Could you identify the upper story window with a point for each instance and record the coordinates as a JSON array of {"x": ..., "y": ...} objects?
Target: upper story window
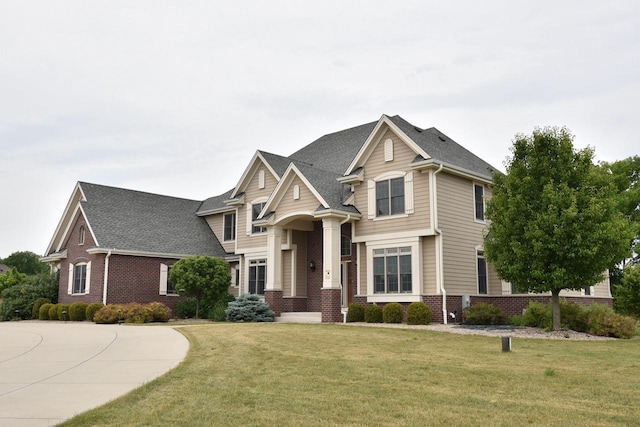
[
  {"x": 230, "y": 226},
  {"x": 81, "y": 236},
  {"x": 256, "y": 208},
  {"x": 390, "y": 194},
  {"x": 478, "y": 193}
]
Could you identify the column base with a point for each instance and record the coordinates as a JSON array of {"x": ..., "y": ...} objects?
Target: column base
[
  {"x": 274, "y": 299},
  {"x": 331, "y": 305}
]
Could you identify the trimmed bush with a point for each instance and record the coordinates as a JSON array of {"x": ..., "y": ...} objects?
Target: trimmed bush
[
  {"x": 136, "y": 313},
  {"x": 110, "y": 313},
  {"x": 186, "y": 309},
  {"x": 392, "y": 313},
  {"x": 373, "y": 313},
  {"x": 418, "y": 313},
  {"x": 249, "y": 308},
  {"x": 603, "y": 321},
  {"x": 159, "y": 312},
  {"x": 53, "y": 312},
  {"x": 92, "y": 310},
  {"x": 35, "y": 312},
  {"x": 537, "y": 315},
  {"x": 573, "y": 316},
  {"x": 356, "y": 312},
  {"x": 43, "y": 313},
  {"x": 516, "y": 320},
  {"x": 78, "y": 311},
  {"x": 61, "y": 309},
  {"x": 484, "y": 313}
]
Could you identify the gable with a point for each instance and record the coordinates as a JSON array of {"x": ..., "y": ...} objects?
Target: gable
[
  {"x": 69, "y": 217},
  {"x": 253, "y": 172}
]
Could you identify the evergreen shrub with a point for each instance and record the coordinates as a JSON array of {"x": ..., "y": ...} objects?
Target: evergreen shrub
[
  {"x": 53, "y": 312},
  {"x": 35, "y": 312},
  {"x": 392, "y": 313},
  {"x": 186, "y": 309},
  {"x": 136, "y": 313},
  {"x": 78, "y": 311},
  {"x": 373, "y": 313},
  {"x": 249, "y": 308},
  {"x": 43, "y": 313},
  {"x": 356, "y": 312},
  {"x": 484, "y": 313},
  {"x": 159, "y": 312},
  {"x": 92, "y": 309},
  {"x": 61, "y": 309},
  {"x": 538, "y": 315},
  {"x": 418, "y": 313}
]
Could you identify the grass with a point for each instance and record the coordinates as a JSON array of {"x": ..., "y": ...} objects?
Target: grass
[{"x": 324, "y": 375}]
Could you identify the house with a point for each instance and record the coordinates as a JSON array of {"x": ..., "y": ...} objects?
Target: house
[
  {"x": 4, "y": 268},
  {"x": 381, "y": 212}
]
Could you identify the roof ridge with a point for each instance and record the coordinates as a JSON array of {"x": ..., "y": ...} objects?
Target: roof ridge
[{"x": 137, "y": 191}]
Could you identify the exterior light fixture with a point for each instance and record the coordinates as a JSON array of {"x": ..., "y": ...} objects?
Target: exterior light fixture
[{"x": 312, "y": 265}]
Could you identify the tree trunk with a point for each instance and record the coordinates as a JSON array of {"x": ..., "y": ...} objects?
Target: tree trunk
[
  {"x": 555, "y": 304},
  {"x": 197, "y": 308}
]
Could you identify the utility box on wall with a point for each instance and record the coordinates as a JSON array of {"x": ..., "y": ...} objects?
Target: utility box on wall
[{"x": 466, "y": 301}]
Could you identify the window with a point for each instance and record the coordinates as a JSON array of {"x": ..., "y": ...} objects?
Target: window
[
  {"x": 229, "y": 227},
  {"x": 171, "y": 287},
  {"x": 587, "y": 290},
  {"x": 482, "y": 273},
  {"x": 257, "y": 276},
  {"x": 80, "y": 279},
  {"x": 166, "y": 286},
  {"x": 392, "y": 270},
  {"x": 478, "y": 191},
  {"x": 390, "y": 197},
  {"x": 81, "y": 236},
  {"x": 345, "y": 246},
  {"x": 256, "y": 209}
]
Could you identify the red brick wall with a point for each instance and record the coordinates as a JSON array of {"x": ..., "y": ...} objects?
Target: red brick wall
[
  {"x": 314, "y": 278},
  {"x": 77, "y": 253},
  {"x": 331, "y": 307},
  {"x": 294, "y": 304},
  {"x": 515, "y": 304},
  {"x": 137, "y": 279},
  {"x": 274, "y": 299}
]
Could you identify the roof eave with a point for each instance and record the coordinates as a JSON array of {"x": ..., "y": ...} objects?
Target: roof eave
[{"x": 466, "y": 173}]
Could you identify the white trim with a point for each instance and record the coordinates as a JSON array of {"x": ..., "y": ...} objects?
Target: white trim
[
  {"x": 391, "y": 236},
  {"x": 235, "y": 227},
  {"x": 164, "y": 274},
  {"x": 245, "y": 174},
  {"x": 77, "y": 191},
  {"x": 70, "y": 281},
  {"x": 388, "y": 150},
  {"x": 287, "y": 178},
  {"x": 87, "y": 279},
  {"x": 261, "y": 179},
  {"x": 454, "y": 170},
  {"x": 484, "y": 203},
  {"x": 296, "y": 192},
  {"x": 416, "y": 269}
]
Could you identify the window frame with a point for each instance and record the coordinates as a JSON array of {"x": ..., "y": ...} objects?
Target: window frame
[
  {"x": 79, "y": 284},
  {"x": 479, "y": 212},
  {"x": 257, "y": 264},
  {"x": 481, "y": 260},
  {"x": 386, "y": 180},
  {"x": 230, "y": 228},
  {"x": 257, "y": 229},
  {"x": 415, "y": 246},
  {"x": 81, "y": 235}
]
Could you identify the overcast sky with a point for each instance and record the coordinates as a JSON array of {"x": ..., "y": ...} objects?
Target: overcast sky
[{"x": 174, "y": 97}]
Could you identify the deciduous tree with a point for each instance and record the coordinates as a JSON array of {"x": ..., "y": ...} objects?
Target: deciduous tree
[{"x": 554, "y": 222}]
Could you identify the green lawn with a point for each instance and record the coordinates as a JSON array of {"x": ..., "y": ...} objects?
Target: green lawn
[{"x": 306, "y": 375}]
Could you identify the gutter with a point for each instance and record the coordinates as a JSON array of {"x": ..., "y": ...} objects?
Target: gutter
[
  {"x": 106, "y": 277},
  {"x": 439, "y": 258}
]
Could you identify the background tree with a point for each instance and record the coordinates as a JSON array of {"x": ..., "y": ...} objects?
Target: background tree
[
  {"x": 18, "y": 300},
  {"x": 11, "y": 278},
  {"x": 26, "y": 262},
  {"x": 554, "y": 222},
  {"x": 202, "y": 277},
  {"x": 627, "y": 293}
]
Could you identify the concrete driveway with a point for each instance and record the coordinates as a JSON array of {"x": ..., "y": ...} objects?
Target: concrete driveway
[{"x": 51, "y": 371}]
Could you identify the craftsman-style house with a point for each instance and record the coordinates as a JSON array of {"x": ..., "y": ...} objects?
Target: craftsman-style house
[{"x": 381, "y": 212}]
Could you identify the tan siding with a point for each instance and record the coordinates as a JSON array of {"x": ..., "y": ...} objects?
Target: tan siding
[
  {"x": 286, "y": 273},
  {"x": 461, "y": 234},
  {"x": 300, "y": 240},
  {"x": 363, "y": 269},
  {"x": 429, "y": 284},
  {"x": 375, "y": 165},
  {"x": 252, "y": 192},
  {"x": 216, "y": 223},
  {"x": 306, "y": 202}
]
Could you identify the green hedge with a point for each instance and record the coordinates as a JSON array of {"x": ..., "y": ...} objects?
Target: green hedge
[
  {"x": 418, "y": 313},
  {"x": 392, "y": 313},
  {"x": 373, "y": 313},
  {"x": 356, "y": 312},
  {"x": 78, "y": 311},
  {"x": 92, "y": 309}
]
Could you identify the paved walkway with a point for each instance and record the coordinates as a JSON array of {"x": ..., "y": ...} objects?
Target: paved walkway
[{"x": 51, "y": 371}]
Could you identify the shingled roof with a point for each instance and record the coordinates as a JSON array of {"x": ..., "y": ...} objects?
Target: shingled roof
[{"x": 143, "y": 222}]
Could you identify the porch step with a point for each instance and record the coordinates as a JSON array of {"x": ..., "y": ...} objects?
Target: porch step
[{"x": 300, "y": 317}]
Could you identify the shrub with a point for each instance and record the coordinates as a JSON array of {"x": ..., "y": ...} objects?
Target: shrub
[
  {"x": 63, "y": 311},
  {"x": 355, "y": 312},
  {"x": 603, "y": 321},
  {"x": 35, "y": 312},
  {"x": 78, "y": 311},
  {"x": 136, "y": 313},
  {"x": 373, "y": 313},
  {"x": 484, "y": 313},
  {"x": 53, "y": 312},
  {"x": 43, "y": 313},
  {"x": 537, "y": 315},
  {"x": 18, "y": 299},
  {"x": 392, "y": 313},
  {"x": 418, "y": 313},
  {"x": 92, "y": 309},
  {"x": 517, "y": 320},
  {"x": 249, "y": 308},
  {"x": 217, "y": 313},
  {"x": 573, "y": 316},
  {"x": 159, "y": 312},
  {"x": 186, "y": 308},
  {"x": 110, "y": 313}
]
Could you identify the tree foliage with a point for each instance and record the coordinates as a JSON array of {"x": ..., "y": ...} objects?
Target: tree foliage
[
  {"x": 26, "y": 262},
  {"x": 627, "y": 293},
  {"x": 11, "y": 278},
  {"x": 202, "y": 277},
  {"x": 18, "y": 300},
  {"x": 554, "y": 221}
]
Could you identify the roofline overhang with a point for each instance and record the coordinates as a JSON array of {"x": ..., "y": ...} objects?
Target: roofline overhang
[
  {"x": 435, "y": 164},
  {"x": 326, "y": 213},
  {"x": 129, "y": 252},
  {"x": 58, "y": 256},
  {"x": 235, "y": 201},
  {"x": 223, "y": 209},
  {"x": 354, "y": 178}
]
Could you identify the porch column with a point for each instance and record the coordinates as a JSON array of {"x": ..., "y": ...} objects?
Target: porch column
[
  {"x": 331, "y": 289},
  {"x": 273, "y": 287}
]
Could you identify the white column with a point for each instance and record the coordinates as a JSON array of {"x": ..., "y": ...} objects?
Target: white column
[
  {"x": 274, "y": 258},
  {"x": 331, "y": 253}
]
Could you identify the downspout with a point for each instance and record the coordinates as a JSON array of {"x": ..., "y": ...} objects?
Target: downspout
[
  {"x": 106, "y": 277},
  {"x": 439, "y": 258},
  {"x": 347, "y": 219}
]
